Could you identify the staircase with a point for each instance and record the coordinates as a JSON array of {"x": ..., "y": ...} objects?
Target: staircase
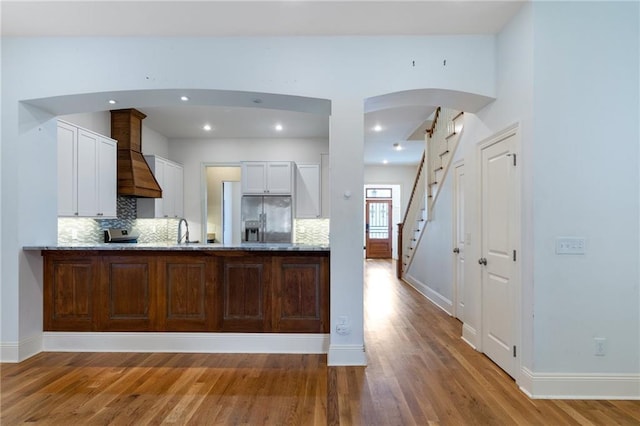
[{"x": 441, "y": 141}]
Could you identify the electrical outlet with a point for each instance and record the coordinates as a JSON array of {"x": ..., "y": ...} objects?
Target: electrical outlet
[
  {"x": 600, "y": 346},
  {"x": 343, "y": 328}
]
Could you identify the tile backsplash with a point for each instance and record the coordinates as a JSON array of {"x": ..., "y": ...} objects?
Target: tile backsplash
[
  {"x": 91, "y": 231},
  {"x": 311, "y": 231},
  {"x": 85, "y": 230}
]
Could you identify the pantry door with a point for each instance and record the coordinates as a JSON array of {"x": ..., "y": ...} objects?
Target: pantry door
[
  {"x": 499, "y": 240},
  {"x": 458, "y": 241}
]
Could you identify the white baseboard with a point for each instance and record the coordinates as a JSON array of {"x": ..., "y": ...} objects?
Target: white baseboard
[
  {"x": 19, "y": 351},
  {"x": 580, "y": 386},
  {"x": 346, "y": 355},
  {"x": 436, "y": 298},
  {"x": 9, "y": 352},
  {"x": 470, "y": 336},
  {"x": 186, "y": 342}
]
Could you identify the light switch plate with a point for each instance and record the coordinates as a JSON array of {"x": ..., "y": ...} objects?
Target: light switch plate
[{"x": 570, "y": 245}]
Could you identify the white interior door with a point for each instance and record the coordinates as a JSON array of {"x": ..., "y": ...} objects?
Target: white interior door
[
  {"x": 458, "y": 241},
  {"x": 498, "y": 221},
  {"x": 231, "y": 198}
]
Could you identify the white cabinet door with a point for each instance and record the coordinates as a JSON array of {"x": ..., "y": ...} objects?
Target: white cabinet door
[
  {"x": 307, "y": 191},
  {"x": 274, "y": 177},
  {"x": 107, "y": 177},
  {"x": 154, "y": 207},
  {"x": 170, "y": 178},
  {"x": 87, "y": 168},
  {"x": 254, "y": 177},
  {"x": 178, "y": 188},
  {"x": 279, "y": 177},
  {"x": 87, "y": 174},
  {"x": 67, "y": 170}
]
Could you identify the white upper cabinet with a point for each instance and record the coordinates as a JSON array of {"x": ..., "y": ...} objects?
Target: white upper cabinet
[
  {"x": 67, "y": 170},
  {"x": 267, "y": 177},
  {"x": 108, "y": 177},
  {"x": 87, "y": 173},
  {"x": 307, "y": 193},
  {"x": 170, "y": 177}
]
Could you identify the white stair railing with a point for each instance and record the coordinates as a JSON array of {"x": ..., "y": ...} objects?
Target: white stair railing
[{"x": 441, "y": 143}]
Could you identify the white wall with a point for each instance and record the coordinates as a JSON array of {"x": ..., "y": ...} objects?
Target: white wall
[
  {"x": 431, "y": 270},
  {"x": 99, "y": 122},
  {"x": 153, "y": 143},
  {"x": 585, "y": 184}
]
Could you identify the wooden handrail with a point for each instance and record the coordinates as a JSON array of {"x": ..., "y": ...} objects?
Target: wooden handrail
[
  {"x": 433, "y": 125},
  {"x": 415, "y": 182},
  {"x": 413, "y": 191}
]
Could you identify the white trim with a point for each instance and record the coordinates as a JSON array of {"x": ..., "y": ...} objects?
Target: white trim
[
  {"x": 470, "y": 336},
  {"x": 433, "y": 296},
  {"x": 9, "y": 352},
  {"x": 186, "y": 342},
  {"x": 346, "y": 355},
  {"x": 454, "y": 238},
  {"x": 581, "y": 385},
  {"x": 203, "y": 191},
  {"x": 19, "y": 351},
  {"x": 512, "y": 130}
]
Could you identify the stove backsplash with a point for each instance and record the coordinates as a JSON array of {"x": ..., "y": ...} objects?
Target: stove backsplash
[{"x": 85, "y": 230}]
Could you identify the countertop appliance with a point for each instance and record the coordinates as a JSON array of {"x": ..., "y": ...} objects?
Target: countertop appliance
[
  {"x": 266, "y": 219},
  {"x": 115, "y": 235}
]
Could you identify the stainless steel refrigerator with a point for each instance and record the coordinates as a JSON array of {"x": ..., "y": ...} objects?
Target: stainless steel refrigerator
[{"x": 266, "y": 219}]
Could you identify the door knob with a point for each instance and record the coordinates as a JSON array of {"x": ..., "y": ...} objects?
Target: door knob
[
  {"x": 482, "y": 261},
  {"x": 456, "y": 250}
]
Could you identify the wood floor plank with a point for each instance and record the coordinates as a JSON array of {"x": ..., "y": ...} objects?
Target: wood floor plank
[{"x": 419, "y": 372}]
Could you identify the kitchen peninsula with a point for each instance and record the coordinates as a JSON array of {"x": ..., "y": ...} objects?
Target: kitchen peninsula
[{"x": 164, "y": 287}]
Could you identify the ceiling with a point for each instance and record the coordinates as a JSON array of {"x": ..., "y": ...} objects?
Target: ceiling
[{"x": 402, "y": 119}]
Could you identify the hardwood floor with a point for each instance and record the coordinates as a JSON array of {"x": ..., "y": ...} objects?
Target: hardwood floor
[{"x": 420, "y": 372}]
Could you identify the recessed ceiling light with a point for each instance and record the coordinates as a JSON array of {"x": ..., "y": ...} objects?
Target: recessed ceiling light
[
  {"x": 257, "y": 101},
  {"x": 279, "y": 127},
  {"x": 397, "y": 147},
  {"x": 113, "y": 101},
  {"x": 385, "y": 161},
  {"x": 184, "y": 98},
  {"x": 207, "y": 127},
  {"x": 377, "y": 128}
]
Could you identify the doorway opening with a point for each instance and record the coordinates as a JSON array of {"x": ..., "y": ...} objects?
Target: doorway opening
[
  {"x": 382, "y": 211},
  {"x": 221, "y": 212}
]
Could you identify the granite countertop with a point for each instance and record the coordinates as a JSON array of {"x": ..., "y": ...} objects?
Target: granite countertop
[{"x": 181, "y": 247}]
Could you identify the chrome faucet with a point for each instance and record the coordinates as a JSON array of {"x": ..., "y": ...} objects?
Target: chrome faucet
[{"x": 186, "y": 235}]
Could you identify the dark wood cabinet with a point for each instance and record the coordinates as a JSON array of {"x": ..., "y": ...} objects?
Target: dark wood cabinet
[
  {"x": 244, "y": 294},
  {"x": 70, "y": 295},
  {"x": 128, "y": 293},
  {"x": 186, "y": 294},
  {"x": 229, "y": 291},
  {"x": 301, "y": 294}
]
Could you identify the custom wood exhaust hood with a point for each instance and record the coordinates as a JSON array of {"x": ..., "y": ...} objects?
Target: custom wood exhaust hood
[{"x": 134, "y": 175}]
